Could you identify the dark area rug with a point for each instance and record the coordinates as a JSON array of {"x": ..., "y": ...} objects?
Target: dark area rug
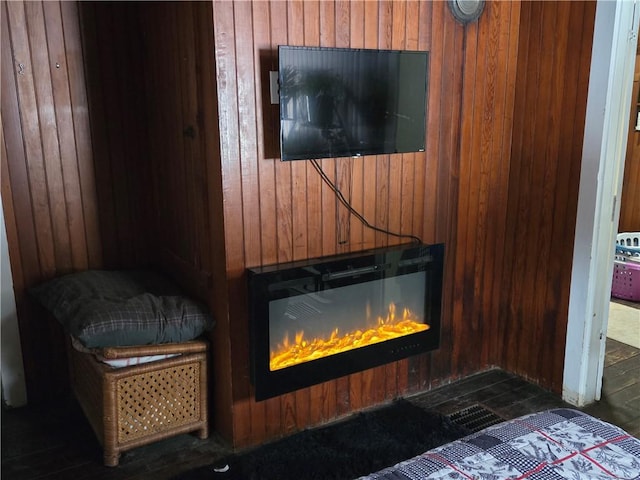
[{"x": 361, "y": 444}]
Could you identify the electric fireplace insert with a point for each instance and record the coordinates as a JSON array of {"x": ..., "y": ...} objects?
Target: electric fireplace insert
[{"x": 316, "y": 320}]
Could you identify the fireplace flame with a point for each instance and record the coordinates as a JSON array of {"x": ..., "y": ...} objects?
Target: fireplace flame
[{"x": 301, "y": 350}]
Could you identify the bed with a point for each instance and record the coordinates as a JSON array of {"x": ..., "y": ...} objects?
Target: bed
[
  {"x": 549, "y": 445},
  {"x": 136, "y": 352}
]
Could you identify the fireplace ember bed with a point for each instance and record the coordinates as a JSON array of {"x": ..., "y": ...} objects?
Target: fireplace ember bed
[{"x": 320, "y": 319}]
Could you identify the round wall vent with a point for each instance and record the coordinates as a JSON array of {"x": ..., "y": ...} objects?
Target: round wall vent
[{"x": 466, "y": 11}]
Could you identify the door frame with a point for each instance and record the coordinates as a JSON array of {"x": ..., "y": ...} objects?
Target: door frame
[{"x": 604, "y": 148}]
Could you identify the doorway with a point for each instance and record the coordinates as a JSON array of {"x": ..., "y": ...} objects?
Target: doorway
[
  {"x": 621, "y": 372},
  {"x": 605, "y": 139}
]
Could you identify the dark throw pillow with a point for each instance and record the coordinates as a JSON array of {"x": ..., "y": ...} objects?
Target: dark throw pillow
[{"x": 122, "y": 308}]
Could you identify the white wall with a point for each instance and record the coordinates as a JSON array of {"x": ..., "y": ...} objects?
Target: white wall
[{"x": 14, "y": 391}]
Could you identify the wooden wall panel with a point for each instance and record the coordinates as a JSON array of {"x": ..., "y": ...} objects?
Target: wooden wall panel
[
  {"x": 546, "y": 152},
  {"x": 506, "y": 77},
  {"x": 416, "y": 194},
  {"x": 184, "y": 172},
  {"x": 48, "y": 189},
  {"x": 183, "y": 150},
  {"x": 115, "y": 88},
  {"x": 630, "y": 200},
  {"x": 84, "y": 184},
  {"x": 152, "y": 104},
  {"x": 484, "y": 171}
]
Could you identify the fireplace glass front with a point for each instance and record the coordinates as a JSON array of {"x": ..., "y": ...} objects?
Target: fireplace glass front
[{"x": 320, "y": 319}]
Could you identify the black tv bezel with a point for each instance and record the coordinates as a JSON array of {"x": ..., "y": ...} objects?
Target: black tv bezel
[{"x": 320, "y": 155}]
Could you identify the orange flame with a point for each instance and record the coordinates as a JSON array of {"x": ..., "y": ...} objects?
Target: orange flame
[{"x": 288, "y": 354}]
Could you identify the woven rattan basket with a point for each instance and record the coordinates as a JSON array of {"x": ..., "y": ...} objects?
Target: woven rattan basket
[{"x": 136, "y": 405}]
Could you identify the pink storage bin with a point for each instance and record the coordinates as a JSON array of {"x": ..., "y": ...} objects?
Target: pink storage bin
[
  {"x": 626, "y": 268},
  {"x": 626, "y": 280}
]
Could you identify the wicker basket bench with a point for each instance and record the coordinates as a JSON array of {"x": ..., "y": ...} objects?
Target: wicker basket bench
[{"x": 136, "y": 405}]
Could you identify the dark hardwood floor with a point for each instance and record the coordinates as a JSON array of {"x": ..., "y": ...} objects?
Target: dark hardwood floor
[{"x": 56, "y": 442}]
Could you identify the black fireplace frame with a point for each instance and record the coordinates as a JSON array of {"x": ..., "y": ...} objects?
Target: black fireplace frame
[{"x": 267, "y": 283}]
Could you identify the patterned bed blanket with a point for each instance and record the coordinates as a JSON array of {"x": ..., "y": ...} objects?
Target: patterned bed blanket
[{"x": 550, "y": 445}]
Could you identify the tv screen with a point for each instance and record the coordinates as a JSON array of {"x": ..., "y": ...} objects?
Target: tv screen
[{"x": 343, "y": 102}]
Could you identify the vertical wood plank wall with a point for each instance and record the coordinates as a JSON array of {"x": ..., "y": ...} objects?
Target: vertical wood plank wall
[
  {"x": 630, "y": 201},
  {"x": 48, "y": 181},
  {"x": 551, "y": 91},
  {"x": 280, "y": 211},
  {"x": 161, "y": 149},
  {"x": 506, "y": 281},
  {"x": 185, "y": 171},
  {"x": 184, "y": 139},
  {"x": 115, "y": 79}
]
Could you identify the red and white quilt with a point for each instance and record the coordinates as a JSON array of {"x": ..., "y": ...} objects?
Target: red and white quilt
[{"x": 551, "y": 445}]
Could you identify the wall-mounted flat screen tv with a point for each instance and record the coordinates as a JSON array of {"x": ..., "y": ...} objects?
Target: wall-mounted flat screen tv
[{"x": 345, "y": 102}]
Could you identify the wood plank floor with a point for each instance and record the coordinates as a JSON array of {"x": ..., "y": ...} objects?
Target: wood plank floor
[{"x": 57, "y": 443}]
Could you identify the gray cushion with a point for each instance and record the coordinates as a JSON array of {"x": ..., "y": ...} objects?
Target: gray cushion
[{"x": 122, "y": 308}]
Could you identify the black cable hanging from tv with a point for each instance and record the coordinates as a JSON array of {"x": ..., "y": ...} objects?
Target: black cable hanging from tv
[{"x": 353, "y": 211}]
